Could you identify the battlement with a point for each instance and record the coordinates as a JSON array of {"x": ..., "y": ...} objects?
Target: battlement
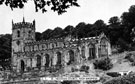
[
  {"x": 61, "y": 40},
  {"x": 45, "y": 41},
  {"x": 23, "y": 24}
]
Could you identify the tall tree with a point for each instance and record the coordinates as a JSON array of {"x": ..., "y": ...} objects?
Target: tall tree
[
  {"x": 115, "y": 30},
  {"x": 57, "y": 33},
  {"x": 128, "y": 22},
  {"x": 38, "y": 36},
  {"x": 80, "y": 32},
  {"x": 5, "y": 51},
  {"x": 46, "y": 34},
  {"x": 114, "y": 21},
  {"x": 68, "y": 30},
  {"x": 99, "y": 26}
]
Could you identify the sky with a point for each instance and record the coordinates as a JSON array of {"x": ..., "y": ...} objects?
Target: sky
[{"x": 88, "y": 12}]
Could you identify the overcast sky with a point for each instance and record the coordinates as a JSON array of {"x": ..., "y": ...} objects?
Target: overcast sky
[{"x": 89, "y": 12}]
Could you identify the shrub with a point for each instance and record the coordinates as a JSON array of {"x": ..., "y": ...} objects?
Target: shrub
[
  {"x": 128, "y": 79},
  {"x": 130, "y": 57},
  {"x": 133, "y": 63},
  {"x": 84, "y": 68},
  {"x": 113, "y": 74},
  {"x": 104, "y": 64}
]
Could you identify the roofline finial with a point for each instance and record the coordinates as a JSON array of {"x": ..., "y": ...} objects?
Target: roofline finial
[
  {"x": 12, "y": 21},
  {"x": 23, "y": 19}
]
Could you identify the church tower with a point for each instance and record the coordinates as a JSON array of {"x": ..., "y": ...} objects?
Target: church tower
[{"x": 22, "y": 32}]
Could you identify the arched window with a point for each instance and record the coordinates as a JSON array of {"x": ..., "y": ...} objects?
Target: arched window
[
  {"x": 92, "y": 54},
  {"x": 22, "y": 65},
  {"x": 71, "y": 57},
  {"x": 47, "y": 60},
  {"x": 38, "y": 61},
  {"x": 83, "y": 52},
  {"x": 103, "y": 47},
  {"x": 18, "y": 33},
  {"x": 58, "y": 58}
]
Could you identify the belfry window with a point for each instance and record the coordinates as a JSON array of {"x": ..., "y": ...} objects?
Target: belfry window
[
  {"x": 29, "y": 33},
  {"x": 22, "y": 65},
  {"x": 18, "y": 33},
  {"x": 18, "y": 42}
]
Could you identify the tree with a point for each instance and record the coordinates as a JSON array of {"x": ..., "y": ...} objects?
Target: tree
[
  {"x": 114, "y": 21},
  {"x": 38, "y": 36},
  {"x": 115, "y": 30},
  {"x": 56, "y": 5},
  {"x": 5, "y": 51},
  {"x": 99, "y": 26},
  {"x": 128, "y": 18},
  {"x": 46, "y": 34},
  {"x": 80, "y": 30},
  {"x": 123, "y": 45},
  {"x": 68, "y": 30},
  {"x": 128, "y": 22},
  {"x": 56, "y": 33},
  {"x": 5, "y": 46}
]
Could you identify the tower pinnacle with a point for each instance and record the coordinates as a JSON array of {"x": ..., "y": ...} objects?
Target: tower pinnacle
[{"x": 23, "y": 19}]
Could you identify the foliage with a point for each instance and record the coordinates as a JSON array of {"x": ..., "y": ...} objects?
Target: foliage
[
  {"x": 133, "y": 64},
  {"x": 5, "y": 46},
  {"x": 128, "y": 79},
  {"x": 128, "y": 22},
  {"x": 70, "y": 82},
  {"x": 99, "y": 26},
  {"x": 114, "y": 21},
  {"x": 46, "y": 34},
  {"x": 38, "y": 36},
  {"x": 5, "y": 51},
  {"x": 84, "y": 68},
  {"x": 124, "y": 46},
  {"x": 130, "y": 57},
  {"x": 59, "y": 6},
  {"x": 113, "y": 74},
  {"x": 104, "y": 64}
]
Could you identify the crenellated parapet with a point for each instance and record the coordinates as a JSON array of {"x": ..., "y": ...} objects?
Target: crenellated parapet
[
  {"x": 45, "y": 41},
  {"x": 58, "y": 43},
  {"x": 23, "y": 25}
]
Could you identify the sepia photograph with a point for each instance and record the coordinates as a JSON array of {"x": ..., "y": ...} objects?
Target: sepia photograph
[{"x": 67, "y": 41}]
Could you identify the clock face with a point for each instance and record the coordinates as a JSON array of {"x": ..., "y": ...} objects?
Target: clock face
[{"x": 18, "y": 42}]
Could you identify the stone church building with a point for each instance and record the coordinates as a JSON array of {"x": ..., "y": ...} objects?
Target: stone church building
[{"x": 48, "y": 56}]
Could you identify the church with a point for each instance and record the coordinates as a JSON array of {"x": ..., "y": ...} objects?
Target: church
[{"x": 31, "y": 58}]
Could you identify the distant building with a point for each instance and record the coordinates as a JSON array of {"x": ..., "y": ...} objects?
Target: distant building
[{"x": 31, "y": 57}]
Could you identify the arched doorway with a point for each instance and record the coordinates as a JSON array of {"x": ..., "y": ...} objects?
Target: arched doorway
[
  {"x": 22, "y": 66},
  {"x": 38, "y": 61},
  {"x": 58, "y": 59},
  {"x": 71, "y": 57},
  {"x": 47, "y": 58},
  {"x": 92, "y": 54}
]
